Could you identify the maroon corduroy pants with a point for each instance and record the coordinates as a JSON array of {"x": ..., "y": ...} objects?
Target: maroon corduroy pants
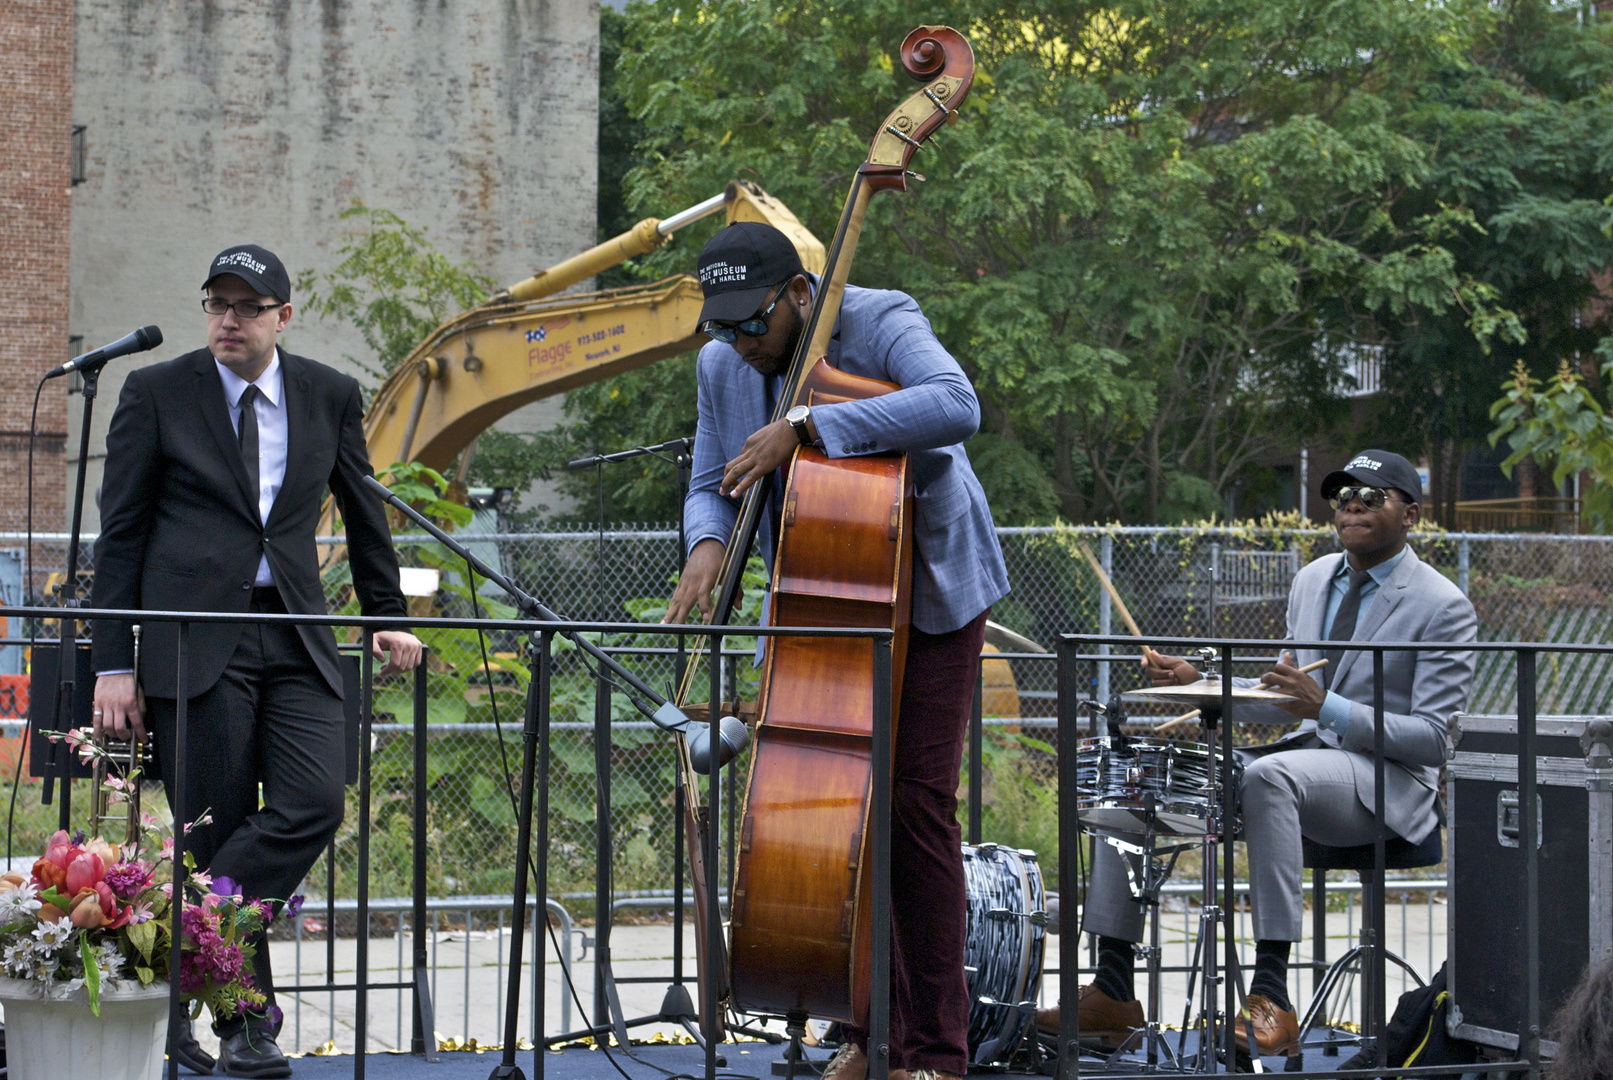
[{"x": 929, "y": 1025}]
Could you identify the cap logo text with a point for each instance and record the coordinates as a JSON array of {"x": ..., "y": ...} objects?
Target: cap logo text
[
  {"x": 721, "y": 273},
  {"x": 1365, "y": 463},
  {"x": 241, "y": 258}
]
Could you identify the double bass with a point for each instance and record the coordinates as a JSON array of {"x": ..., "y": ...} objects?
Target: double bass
[{"x": 799, "y": 930}]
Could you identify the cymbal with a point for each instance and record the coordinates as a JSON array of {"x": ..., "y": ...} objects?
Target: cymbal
[{"x": 1205, "y": 692}]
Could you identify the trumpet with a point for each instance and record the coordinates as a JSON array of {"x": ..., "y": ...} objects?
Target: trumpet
[{"x": 128, "y": 761}]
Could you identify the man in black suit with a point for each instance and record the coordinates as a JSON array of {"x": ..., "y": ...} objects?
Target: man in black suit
[{"x": 217, "y": 464}]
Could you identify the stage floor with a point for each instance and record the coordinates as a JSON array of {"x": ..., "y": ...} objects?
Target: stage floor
[{"x": 655, "y": 1062}]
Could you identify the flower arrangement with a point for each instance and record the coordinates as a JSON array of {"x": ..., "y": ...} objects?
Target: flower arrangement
[{"x": 96, "y": 915}]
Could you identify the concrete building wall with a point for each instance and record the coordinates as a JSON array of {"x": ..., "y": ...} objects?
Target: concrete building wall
[
  {"x": 36, "y": 117},
  {"x": 262, "y": 120}
]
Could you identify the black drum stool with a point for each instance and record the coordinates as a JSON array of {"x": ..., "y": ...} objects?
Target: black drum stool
[{"x": 1399, "y": 854}]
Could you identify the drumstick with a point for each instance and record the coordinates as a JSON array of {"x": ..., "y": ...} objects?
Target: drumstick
[
  {"x": 1109, "y": 587},
  {"x": 1194, "y": 715}
]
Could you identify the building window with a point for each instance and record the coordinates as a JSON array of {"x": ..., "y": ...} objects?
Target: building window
[{"x": 78, "y": 154}]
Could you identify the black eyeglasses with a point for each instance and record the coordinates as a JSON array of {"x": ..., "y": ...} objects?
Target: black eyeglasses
[
  {"x": 1372, "y": 498},
  {"x": 755, "y": 326},
  {"x": 245, "y": 309}
]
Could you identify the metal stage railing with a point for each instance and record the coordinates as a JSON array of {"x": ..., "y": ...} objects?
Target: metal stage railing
[
  {"x": 1077, "y": 658},
  {"x": 1079, "y": 653}
]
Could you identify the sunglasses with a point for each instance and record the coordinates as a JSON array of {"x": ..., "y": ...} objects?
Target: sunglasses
[
  {"x": 1372, "y": 498},
  {"x": 755, "y": 326}
]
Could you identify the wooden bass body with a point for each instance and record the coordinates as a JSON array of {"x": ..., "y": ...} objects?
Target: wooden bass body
[{"x": 799, "y": 931}]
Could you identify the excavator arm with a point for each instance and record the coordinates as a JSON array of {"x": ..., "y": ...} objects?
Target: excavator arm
[{"x": 527, "y": 343}]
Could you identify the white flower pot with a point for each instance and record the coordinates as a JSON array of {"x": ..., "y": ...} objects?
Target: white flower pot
[{"x": 58, "y": 1037}]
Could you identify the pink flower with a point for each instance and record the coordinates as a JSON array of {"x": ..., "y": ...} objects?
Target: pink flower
[{"x": 85, "y": 871}]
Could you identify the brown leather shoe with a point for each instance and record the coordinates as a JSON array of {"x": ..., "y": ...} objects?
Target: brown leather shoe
[
  {"x": 1100, "y": 1016},
  {"x": 1276, "y": 1030}
]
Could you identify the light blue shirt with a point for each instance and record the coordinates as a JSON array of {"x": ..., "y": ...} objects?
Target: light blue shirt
[
  {"x": 269, "y": 408},
  {"x": 1335, "y": 712}
]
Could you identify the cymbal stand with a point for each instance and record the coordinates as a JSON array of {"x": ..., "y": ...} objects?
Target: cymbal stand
[
  {"x": 1148, "y": 871},
  {"x": 1220, "y": 828}
]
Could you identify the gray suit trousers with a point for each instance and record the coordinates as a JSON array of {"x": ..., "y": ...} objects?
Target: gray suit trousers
[{"x": 1286, "y": 795}]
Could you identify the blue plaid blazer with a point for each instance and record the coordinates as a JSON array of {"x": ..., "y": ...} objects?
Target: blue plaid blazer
[{"x": 958, "y": 569}]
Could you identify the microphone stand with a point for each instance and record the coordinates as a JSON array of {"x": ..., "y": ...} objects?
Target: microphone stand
[
  {"x": 60, "y": 762},
  {"x": 676, "y": 1004}
]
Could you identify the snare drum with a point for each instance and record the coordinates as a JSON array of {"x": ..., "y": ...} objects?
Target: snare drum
[
  {"x": 1003, "y": 952},
  {"x": 1113, "y": 776}
]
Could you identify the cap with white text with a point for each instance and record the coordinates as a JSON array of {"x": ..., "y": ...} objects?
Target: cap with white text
[
  {"x": 1379, "y": 469},
  {"x": 740, "y": 265},
  {"x": 257, "y": 266}
]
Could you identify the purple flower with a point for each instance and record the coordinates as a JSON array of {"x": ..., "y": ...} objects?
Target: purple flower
[
  {"x": 225, "y": 886},
  {"x": 79, "y": 838},
  {"x": 128, "y": 880},
  {"x": 294, "y": 905},
  {"x": 222, "y": 962}
]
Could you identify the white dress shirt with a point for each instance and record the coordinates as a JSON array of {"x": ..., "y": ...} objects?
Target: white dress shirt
[{"x": 270, "y": 409}]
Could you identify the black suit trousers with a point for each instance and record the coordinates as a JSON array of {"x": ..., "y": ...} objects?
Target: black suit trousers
[{"x": 271, "y": 719}]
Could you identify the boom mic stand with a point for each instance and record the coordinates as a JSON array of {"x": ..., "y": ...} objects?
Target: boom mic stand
[
  {"x": 676, "y": 1006},
  {"x": 665, "y": 715}
]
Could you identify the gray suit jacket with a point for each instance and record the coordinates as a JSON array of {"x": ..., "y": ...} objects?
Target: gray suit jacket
[{"x": 1421, "y": 690}]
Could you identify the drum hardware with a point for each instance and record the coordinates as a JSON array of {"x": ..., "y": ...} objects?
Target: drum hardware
[
  {"x": 1147, "y": 870},
  {"x": 1133, "y": 791}
]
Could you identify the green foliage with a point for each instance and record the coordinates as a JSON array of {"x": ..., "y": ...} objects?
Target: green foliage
[
  {"x": 1164, "y": 232},
  {"x": 424, "y": 489},
  {"x": 392, "y": 284},
  {"x": 1563, "y": 425},
  {"x": 1019, "y": 796}
]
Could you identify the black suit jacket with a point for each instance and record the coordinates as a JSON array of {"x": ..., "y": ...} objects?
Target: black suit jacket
[{"x": 180, "y": 529}]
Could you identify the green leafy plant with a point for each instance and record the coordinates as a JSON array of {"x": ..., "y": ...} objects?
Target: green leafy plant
[{"x": 392, "y": 284}]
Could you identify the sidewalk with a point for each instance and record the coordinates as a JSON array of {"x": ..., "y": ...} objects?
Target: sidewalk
[{"x": 470, "y": 993}]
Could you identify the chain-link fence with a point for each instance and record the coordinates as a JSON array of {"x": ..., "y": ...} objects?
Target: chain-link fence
[{"x": 1230, "y": 583}]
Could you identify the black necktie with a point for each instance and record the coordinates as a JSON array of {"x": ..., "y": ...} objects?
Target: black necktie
[
  {"x": 248, "y": 435},
  {"x": 1343, "y": 628}
]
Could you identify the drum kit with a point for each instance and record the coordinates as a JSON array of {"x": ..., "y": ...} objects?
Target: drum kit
[{"x": 1152, "y": 800}]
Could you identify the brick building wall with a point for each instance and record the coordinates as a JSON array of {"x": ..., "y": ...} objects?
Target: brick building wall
[{"x": 36, "y": 85}]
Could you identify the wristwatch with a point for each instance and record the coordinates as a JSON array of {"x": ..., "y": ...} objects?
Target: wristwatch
[{"x": 797, "y": 419}]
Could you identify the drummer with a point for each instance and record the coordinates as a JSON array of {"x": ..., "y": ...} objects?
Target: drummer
[{"x": 1318, "y": 781}]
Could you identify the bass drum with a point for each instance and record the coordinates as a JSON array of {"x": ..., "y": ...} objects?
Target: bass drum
[{"x": 1004, "y": 949}]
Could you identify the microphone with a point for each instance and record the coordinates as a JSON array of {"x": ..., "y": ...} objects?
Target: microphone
[
  {"x": 147, "y": 337},
  {"x": 734, "y": 738}
]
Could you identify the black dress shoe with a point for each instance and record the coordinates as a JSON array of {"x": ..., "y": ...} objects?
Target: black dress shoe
[
  {"x": 189, "y": 1052},
  {"x": 249, "y": 1050}
]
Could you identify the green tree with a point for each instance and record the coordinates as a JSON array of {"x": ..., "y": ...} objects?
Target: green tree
[
  {"x": 392, "y": 284},
  {"x": 1155, "y": 241},
  {"x": 1519, "y": 132}
]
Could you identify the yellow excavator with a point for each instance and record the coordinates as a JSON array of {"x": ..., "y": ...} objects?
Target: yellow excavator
[{"x": 527, "y": 343}]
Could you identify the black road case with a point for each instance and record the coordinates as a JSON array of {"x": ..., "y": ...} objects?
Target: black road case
[{"x": 1574, "y": 815}]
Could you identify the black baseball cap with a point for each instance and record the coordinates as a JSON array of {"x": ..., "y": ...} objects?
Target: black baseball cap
[
  {"x": 1379, "y": 469},
  {"x": 739, "y": 265},
  {"x": 257, "y": 266}
]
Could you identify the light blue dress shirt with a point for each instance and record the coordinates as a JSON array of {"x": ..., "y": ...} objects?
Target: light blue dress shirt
[
  {"x": 1335, "y": 712},
  {"x": 270, "y": 409}
]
